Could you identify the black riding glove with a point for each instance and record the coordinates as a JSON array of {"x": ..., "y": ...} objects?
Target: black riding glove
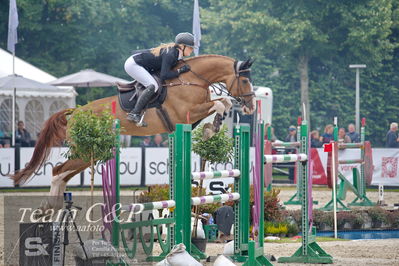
[{"x": 183, "y": 69}]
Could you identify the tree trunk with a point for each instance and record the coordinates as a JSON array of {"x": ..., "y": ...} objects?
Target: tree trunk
[{"x": 304, "y": 78}]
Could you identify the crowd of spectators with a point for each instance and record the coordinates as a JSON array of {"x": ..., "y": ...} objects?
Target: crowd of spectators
[
  {"x": 22, "y": 137},
  {"x": 350, "y": 136}
]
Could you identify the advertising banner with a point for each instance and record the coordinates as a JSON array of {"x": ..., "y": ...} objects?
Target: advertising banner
[
  {"x": 385, "y": 163},
  {"x": 44, "y": 174},
  {"x": 130, "y": 168},
  {"x": 6, "y": 166}
]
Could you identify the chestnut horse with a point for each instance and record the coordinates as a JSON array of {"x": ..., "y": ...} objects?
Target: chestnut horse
[{"x": 187, "y": 94}]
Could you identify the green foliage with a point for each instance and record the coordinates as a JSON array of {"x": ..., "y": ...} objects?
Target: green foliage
[
  {"x": 276, "y": 228},
  {"x": 345, "y": 217},
  {"x": 393, "y": 218},
  {"x": 217, "y": 149},
  {"x": 272, "y": 205},
  {"x": 154, "y": 193},
  {"x": 378, "y": 215},
  {"x": 91, "y": 137}
]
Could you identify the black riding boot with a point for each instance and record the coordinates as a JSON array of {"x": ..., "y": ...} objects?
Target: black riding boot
[{"x": 135, "y": 114}]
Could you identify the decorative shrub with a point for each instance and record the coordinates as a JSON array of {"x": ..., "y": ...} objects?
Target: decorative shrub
[
  {"x": 273, "y": 211},
  {"x": 276, "y": 228},
  {"x": 154, "y": 193},
  {"x": 293, "y": 229},
  {"x": 393, "y": 218},
  {"x": 358, "y": 220},
  {"x": 344, "y": 217},
  {"x": 378, "y": 216}
]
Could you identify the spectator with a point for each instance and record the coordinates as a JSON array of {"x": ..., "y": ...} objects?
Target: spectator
[
  {"x": 315, "y": 139},
  {"x": 146, "y": 142},
  {"x": 355, "y": 137},
  {"x": 327, "y": 136},
  {"x": 291, "y": 137},
  {"x": 2, "y": 142},
  {"x": 392, "y": 136},
  {"x": 158, "y": 141},
  {"x": 22, "y": 136},
  {"x": 343, "y": 137}
]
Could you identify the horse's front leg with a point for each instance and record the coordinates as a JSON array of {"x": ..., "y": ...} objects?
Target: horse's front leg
[{"x": 201, "y": 111}]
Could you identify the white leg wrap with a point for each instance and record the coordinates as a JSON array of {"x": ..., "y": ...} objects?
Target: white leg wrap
[{"x": 218, "y": 107}]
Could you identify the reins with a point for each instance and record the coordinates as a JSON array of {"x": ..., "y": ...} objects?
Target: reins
[{"x": 221, "y": 87}]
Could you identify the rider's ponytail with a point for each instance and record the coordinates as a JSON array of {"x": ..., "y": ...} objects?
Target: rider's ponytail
[{"x": 157, "y": 50}]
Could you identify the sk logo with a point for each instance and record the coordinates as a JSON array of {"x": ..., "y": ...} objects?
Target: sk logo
[{"x": 34, "y": 247}]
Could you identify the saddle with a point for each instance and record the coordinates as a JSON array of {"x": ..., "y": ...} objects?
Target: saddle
[{"x": 128, "y": 94}]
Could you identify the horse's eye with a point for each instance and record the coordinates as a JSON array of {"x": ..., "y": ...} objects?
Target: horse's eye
[{"x": 244, "y": 81}]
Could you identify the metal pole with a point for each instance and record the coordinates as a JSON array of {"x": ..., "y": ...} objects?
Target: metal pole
[
  {"x": 333, "y": 173},
  {"x": 357, "y": 101},
  {"x": 14, "y": 99}
]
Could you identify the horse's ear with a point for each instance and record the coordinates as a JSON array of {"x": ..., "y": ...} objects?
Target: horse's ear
[
  {"x": 250, "y": 62},
  {"x": 244, "y": 65}
]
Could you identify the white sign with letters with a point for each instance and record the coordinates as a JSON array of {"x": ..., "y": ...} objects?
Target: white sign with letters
[{"x": 6, "y": 166}]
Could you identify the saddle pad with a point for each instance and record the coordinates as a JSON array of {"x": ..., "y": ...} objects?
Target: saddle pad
[{"x": 126, "y": 105}]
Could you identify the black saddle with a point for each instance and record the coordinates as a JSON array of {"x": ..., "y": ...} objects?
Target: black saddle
[{"x": 128, "y": 93}]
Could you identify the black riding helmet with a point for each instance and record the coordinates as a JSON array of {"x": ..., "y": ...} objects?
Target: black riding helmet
[{"x": 185, "y": 38}]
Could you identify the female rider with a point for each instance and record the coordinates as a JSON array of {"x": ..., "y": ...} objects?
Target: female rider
[{"x": 161, "y": 59}]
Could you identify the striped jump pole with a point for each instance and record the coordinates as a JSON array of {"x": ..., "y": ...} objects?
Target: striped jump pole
[
  {"x": 214, "y": 198},
  {"x": 285, "y": 158},
  {"x": 138, "y": 208},
  {"x": 215, "y": 174}
]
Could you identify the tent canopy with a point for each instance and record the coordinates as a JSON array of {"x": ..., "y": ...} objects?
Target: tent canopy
[
  {"x": 30, "y": 88},
  {"x": 87, "y": 78}
]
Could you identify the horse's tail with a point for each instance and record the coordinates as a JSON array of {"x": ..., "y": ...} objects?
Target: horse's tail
[{"x": 52, "y": 134}]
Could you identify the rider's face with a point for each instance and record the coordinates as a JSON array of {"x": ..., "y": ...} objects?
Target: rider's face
[{"x": 188, "y": 51}]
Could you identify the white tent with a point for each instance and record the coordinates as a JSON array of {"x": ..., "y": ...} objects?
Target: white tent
[{"x": 33, "y": 106}]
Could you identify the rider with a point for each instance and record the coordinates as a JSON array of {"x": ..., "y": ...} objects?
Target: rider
[{"x": 161, "y": 59}]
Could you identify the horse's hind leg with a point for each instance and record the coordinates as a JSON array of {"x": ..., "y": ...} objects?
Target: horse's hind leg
[{"x": 61, "y": 175}]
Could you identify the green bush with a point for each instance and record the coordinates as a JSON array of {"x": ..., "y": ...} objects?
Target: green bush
[
  {"x": 393, "y": 218},
  {"x": 293, "y": 229},
  {"x": 273, "y": 211},
  {"x": 276, "y": 228},
  {"x": 378, "y": 215},
  {"x": 344, "y": 217}
]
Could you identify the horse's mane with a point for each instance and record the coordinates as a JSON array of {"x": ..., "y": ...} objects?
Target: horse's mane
[{"x": 208, "y": 56}]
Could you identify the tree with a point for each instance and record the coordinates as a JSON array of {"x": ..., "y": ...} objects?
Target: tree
[
  {"x": 91, "y": 138},
  {"x": 301, "y": 39}
]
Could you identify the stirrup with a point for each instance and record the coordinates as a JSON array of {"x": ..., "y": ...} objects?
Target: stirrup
[{"x": 142, "y": 123}]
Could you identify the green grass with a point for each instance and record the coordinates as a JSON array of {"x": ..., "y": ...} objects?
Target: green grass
[{"x": 318, "y": 239}]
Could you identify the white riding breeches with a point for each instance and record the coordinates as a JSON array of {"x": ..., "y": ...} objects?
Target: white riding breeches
[{"x": 139, "y": 73}]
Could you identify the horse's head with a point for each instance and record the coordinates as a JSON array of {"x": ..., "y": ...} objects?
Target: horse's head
[{"x": 240, "y": 86}]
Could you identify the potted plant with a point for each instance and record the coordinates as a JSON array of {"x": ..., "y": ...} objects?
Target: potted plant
[
  {"x": 212, "y": 147},
  {"x": 393, "y": 219},
  {"x": 345, "y": 220},
  {"x": 358, "y": 220},
  {"x": 92, "y": 138},
  {"x": 323, "y": 220},
  {"x": 378, "y": 216}
]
